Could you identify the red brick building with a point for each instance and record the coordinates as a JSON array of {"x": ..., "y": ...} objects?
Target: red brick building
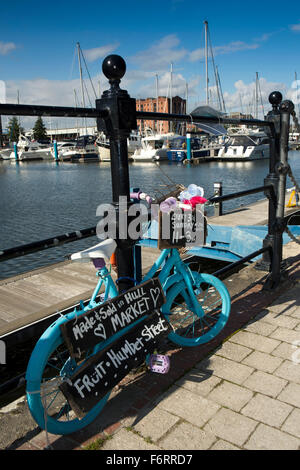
[{"x": 162, "y": 104}]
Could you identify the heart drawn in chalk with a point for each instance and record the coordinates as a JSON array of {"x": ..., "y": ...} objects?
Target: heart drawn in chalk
[
  {"x": 100, "y": 331},
  {"x": 155, "y": 292}
]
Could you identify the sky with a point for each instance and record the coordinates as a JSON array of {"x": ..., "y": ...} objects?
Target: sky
[{"x": 38, "y": 59}]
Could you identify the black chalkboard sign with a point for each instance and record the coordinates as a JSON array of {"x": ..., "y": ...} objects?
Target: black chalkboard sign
[
  {"x": 180, "y": 228},
  {"x": 103, "y": 371},
  {"x": 100, "y": 323}
]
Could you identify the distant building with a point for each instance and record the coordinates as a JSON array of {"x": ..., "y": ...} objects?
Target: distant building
[
  {"x": 238, "y": 115},
  {"x": 162, "y": 104}
]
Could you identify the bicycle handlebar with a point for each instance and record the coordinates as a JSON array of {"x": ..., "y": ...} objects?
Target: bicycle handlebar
[{"x": 142, "y": 197}]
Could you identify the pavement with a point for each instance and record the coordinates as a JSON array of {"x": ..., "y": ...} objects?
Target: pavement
[{"x": 240, "y": 391}]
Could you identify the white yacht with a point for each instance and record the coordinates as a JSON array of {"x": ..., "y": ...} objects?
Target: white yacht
[
  {"x": 245, "y": 144},
  {"x": 61, "y": 146},
  {"x": 133, "y": 143},
  {"x": 85, "y": 149},
  {"x": 154, "y": 147},
  {"x": 30, "y": 150},
  {"x": 5, "y": 153}
]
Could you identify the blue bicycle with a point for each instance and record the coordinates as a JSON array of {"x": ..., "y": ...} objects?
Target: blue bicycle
[{"x": 197, "y": 308}]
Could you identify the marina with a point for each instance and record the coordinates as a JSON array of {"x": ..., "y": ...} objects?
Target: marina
[
  {"x": 47, "y": 189},
  {"x": 149, "y": 236}
]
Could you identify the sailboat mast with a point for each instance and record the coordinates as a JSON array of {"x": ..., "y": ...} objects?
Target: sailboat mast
[
  {"x": 206, "y": 62},
  {"x": 215, "y": 73},
  {"x": 171, "y": 94},
  {"x": 256, "y": 96},
  {"x": 171, "y": 87},
  {"x": 81, "y": 82},
  {"x": 297, "y": 99},
  {"x": 186, "y": 103},
  {"x": 156, "y": 86},
  {"x": 221, "y": 92},
  {"x": 18, "y": 101}
]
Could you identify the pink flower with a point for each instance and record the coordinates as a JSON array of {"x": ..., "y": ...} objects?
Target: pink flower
[{"x": 194, "y": 201}]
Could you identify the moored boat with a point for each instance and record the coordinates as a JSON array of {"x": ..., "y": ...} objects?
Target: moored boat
[
  {"x": 178, "y": 149},
  {"x": 154, "y": 147},
  {"x": 84, "y": 150},
  {"x": 133, "y": 143},
  {"x": 30, "y": 150},
  {"x": 245, "y": 144}
]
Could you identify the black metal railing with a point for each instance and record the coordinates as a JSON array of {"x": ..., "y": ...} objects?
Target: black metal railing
[{"x": 116, "y": 116}]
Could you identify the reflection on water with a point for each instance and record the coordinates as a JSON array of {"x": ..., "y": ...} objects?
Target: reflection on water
[{"x": 43, "y": 199}]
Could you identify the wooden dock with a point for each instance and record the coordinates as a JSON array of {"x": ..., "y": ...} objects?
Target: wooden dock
[{"x": 38, "y": 295}]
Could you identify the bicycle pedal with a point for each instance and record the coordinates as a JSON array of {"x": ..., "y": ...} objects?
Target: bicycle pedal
[{"x": 159, "y": 363}]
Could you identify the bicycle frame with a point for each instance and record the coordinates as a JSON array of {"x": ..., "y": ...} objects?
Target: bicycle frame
[
  {"x": 176, "y": 279},
  {"x": 169, "y": 259}
]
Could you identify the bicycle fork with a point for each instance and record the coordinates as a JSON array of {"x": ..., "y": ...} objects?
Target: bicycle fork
[{"x": 185, "y": 273}]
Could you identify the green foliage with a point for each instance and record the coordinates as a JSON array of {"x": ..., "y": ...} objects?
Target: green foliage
[
  {"x": 98, "y": 443},
  {"x": 39, "y": 130},
  {"x": 14, "y": 129}
]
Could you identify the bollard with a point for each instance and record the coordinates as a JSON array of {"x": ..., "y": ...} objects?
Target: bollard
[
  {"x": 16, "y": 151},
  {"x": 120, "y": 121},
  {"x": 188, "y": 147},
  {"x": 265, "y": 264},
  {"x": 285, "y": 108},
  {"x": 277, "y": 177},
  {"x": 218, "y": 191},
  {"x": 55, "y": 150}
]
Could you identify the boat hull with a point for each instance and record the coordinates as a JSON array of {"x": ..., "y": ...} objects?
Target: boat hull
[
  {"x": 181, "y": 155},
  {"x": 239, "y": 153}
]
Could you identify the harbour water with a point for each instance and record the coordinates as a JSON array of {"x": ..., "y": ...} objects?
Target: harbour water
[{"x": 44, "y": 199}]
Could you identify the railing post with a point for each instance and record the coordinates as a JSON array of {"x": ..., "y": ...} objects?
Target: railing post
[
  {"x": 272, "y": 179},
  {"x": 188, "y": 147},
  {"x": 218, "y": 191},
  {"x": 120, "y": 120},
  {"x": 276, "y": 210},
  {"x": 285, "y": 108}
]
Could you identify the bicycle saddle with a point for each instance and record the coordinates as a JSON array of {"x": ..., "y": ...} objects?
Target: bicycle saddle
[{"x": 103, "y": 249}]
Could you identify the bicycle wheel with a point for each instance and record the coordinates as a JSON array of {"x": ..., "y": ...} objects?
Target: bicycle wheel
[
  {"x": 49, "y": 365},
  {"x": 197, "y": 325}
]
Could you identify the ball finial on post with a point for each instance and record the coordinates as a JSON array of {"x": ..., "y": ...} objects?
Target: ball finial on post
[
  {"x": 114, "y": 67},
  {"x": 287, "y": 106},
  {"x": 275, "y": 99}
]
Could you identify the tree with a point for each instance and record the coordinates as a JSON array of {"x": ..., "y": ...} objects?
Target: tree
[
  {"x": 39, "y": 130},
  {"x": 14, "y": 129}
]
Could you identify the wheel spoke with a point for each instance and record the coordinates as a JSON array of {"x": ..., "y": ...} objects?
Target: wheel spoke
[{"x": 202, "y": 316}]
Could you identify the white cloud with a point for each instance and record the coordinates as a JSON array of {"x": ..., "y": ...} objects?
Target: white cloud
[
  {"x": 41, "y": 91},
  {"x": 242, "y": 99},
  {"x": 159, "y": 56},
  {"x": 266, "y": 36},
  {"x": 295, "y": 27},
  {"x": 98, "y": 52},
  {"x": 6, "y": 47},
  {"x": 233, "y": 46}
]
